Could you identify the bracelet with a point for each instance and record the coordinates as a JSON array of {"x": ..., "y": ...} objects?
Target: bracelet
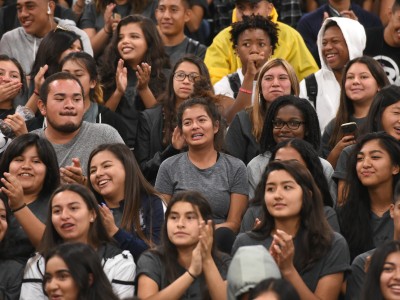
[
  {"x": 35, "y": 91},
  {"x": 108, "y": 32},
  {"x": 19, "y": 208},
  {"x": 191, "y": 275},
  {"x": 243, "y": 90}
]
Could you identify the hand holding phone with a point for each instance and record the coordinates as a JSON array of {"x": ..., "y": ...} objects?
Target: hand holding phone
[{"x": 349, "y": 128}]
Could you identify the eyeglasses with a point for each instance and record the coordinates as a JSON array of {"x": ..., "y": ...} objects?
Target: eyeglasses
[
  {"x": 292, "y": 124},
  {"x": 180, "y": 76}
]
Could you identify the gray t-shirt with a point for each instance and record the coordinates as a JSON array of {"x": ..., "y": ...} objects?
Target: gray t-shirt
[
  {"x": 256, "y": 168},
  {"x": 355, "y": 280},
  {"x": 228, "y": 175},
  {"x": 151, "y": 265},
  {"x": 254, "y": 212},
  {"x": 177, "y": 51},
  {"x": 341, "y": 165},
  {"x": 337, "y": 259},
  {"x": 89, "y": 137}
]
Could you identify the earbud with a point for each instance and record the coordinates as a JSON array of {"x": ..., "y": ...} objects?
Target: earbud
[{"x": 48, "y": 9}]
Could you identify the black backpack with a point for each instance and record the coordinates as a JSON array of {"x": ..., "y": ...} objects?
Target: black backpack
[{"x": 312, "y": 89}]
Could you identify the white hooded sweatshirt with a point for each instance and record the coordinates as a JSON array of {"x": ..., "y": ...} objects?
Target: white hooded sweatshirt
[{"x": 328, "y": 97}]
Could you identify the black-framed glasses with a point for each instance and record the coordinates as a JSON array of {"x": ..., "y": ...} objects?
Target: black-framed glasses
[
  {"x": 180, "y": 76},
  {"x": 292, "y": 124}
]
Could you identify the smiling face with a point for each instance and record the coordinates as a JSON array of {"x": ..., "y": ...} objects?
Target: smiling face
[
  {"x": 392, "y": 30},
  {"x": 374, "y": 165},
  {"x": 390, "y": 277},
  {"x": 197, "y": 127},
  {"x": 283, "y": 196},
  {"x": 171, "y": 17},
  {"x": 391, "y": 120},
  {"x": 107, "y": 176},
  {"x": 3, "y": 220},
  {"x": 79, "y": 70},
  {"x": 59, "y": 284},
  {"x": 334, "y": 48},
  {"x": 71, "y": 217},
  {"x": 360, "y": 85},
  {"x": 275, "y": 83},
  {"x": 32, "y": 14},
  {"x": 253, "y": 41},
  {"x": 132, "y": 44},
  {"x": 183, "y": 224},
  {"x": 29, "y": 170},
  {"x": 184, "y": 89},
  {"x": 288, "y": 113}
]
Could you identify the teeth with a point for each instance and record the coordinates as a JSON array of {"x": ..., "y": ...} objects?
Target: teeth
[
  {"x": 103, "y": 182},
  {"x": 330, "y": 55},
  {"x": 25, "y": 175}
]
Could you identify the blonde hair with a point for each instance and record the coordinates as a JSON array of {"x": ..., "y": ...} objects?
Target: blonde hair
[{"x": 259, "y": 109}]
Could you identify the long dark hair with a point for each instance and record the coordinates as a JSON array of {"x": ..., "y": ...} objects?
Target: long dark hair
[
  {"x": 281, "y": 287},
  {"x": 312, "y": 133},
  {"x": 346, "y": 107},
  {"x": 315, "y": 234},
  {"x": 4, "y": 57},
  {"x": 46, "y": 154},
  {"x": 97, "y": 232},
  {"x": 311, "y": 158},
  {"x": 86, "y": 270},
  {"x": 155, "y": 55},
  {"x": 51, "y": 48},
  {"x": 168, "y": 98},
  {"x": 355, "y": 214},
  {"x": 167, "y": 250},
  {"x": 135, "y": 187},
  {"x": 372, "y": 286}
]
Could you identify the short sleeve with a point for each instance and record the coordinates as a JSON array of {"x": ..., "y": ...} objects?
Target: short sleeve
[
  {"x": 240, "y": 181},
  {"x": 163, "y": 180},
  {"x": 338, "y": 258},
  {"x": 341, "y": 166},
  {"x": 149, "y": 264}
]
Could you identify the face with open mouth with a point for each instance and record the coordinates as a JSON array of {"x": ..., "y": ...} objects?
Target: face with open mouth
[
  {"x": 390, "y": 277},
  {"x": 29, "y": 169},
  {"x": 391, "y": 120},
  {"x": 334, "y": 48},
  {"x": 71, "y": 216},
  {"x": 132, "y": 44},
  {"x": 32, "y": 14},
  {"x": 107, "y": 176}
]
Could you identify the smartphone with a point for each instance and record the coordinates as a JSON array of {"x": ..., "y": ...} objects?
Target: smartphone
[{"x": 349, "y": 128}]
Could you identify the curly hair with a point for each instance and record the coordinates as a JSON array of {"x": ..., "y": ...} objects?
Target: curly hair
[{"x": 255, "y": 22}]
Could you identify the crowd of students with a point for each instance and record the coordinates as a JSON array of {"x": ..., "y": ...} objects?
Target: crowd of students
[{"x": 156, "y": 167}]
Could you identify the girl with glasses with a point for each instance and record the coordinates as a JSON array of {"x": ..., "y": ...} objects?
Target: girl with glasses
[{"x": 158, "y": 134}]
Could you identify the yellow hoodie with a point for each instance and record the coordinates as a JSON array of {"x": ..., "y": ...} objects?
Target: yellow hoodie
[{"x": 221, "y": 59}]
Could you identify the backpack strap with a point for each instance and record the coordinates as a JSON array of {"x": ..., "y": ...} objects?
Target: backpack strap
[
  {"x": 192, "y": 47},
  {"x": 312, "y": 89},
  {"x": 234, "y": 82}
]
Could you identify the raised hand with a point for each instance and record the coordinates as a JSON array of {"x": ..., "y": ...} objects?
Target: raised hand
[
  {"x": 73, "y": 173},
  {"x": 108, "y": 219},
  {"x": 143, "y": 75},
  {"x": 282, "y": 250},
  {"x": 13, "y": 190}
]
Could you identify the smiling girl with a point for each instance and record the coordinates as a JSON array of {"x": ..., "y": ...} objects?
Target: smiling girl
[
  {"x": 132, "y": 71},
  {"x": 309, "y": 254},
  {"x": 186, "y": 264}
]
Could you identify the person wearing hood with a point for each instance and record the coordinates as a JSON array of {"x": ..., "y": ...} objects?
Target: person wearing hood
[
  {"x": 222, "y": 60},
  {"x": 339, "y": 40},
  {"x": 37, "y": 19}
]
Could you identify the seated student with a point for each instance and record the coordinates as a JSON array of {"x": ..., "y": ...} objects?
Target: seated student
[
  {"x": 11, "y": 271},
  {"x": 131, "y": 209},
  {"x": 100, "y": 18},
  {"x": 383, "y": 115},
  {"x": 373, "y": 172},
  {"x": 276, "y": 78},
  {"x": 220, "y": 177},
  {"x": 356, "y": 278},
  {"x": 74, "y": 271},
  {"x": 186, "y": 265},
  {"x": 303, "y": 152},
  {"x": 312, "y": 257},
  {"x": 27, "y": 196},
  {"x": 158, "y": 135},
  {"x": 221, "y": 59},
  {"x": 362, "y": 78},
  {"x": 131, "y": 89},
  {"x": 339, "y": 40},
  {"x": 74, "y": 216},
  {"x": 254, "y": 40},
  {"x": 172, "y": 16},
  {"x": 288, "y": 117},
  {"x": 382, "y": 277},
  {"x": 310, "y": 24}
]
